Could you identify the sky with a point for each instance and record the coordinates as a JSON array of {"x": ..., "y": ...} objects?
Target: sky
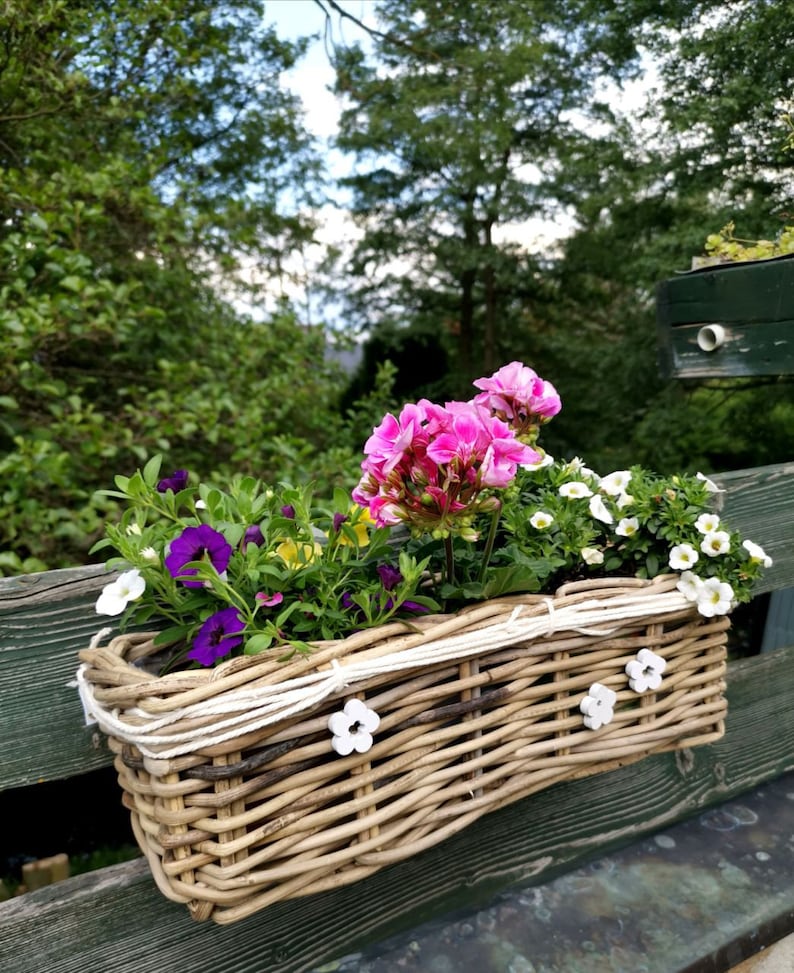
[
  {"x": 314, "y": 75},
  {"x": 312, "y": 80}
]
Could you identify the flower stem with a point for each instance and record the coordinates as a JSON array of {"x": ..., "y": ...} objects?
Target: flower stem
[
  {"x": 450, "y": 559},
  {"x": 489, "y": 542}
]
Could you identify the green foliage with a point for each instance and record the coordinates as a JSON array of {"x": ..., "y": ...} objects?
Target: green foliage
[
  {"x": 311, "y": 572},
  {"x": 243, "y": 567},
  {"x": 626, "y": 523},
  {"x": 723, "y": 97},
  {"x": 143, "y": 170},
  {"x": 725, "y": 246}
]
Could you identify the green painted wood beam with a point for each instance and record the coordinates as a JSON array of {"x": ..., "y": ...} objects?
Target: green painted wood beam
[
  {"x": 762, "y": 348},
  {"x": 46, "y": 618},
  {"x": 759, "y": 290},
  {"x": 753, "y": 304},
  {"x": 760, "y": 503}
]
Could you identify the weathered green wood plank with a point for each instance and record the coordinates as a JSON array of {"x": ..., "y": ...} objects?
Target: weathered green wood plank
[
  {"x": 116, "y": 920},
  {"x": 46, "y": 618},
  {"x": 760, "y": 348},
  {"x": 753, "y": 302},
  {"x": 751, "y": 291},
  {"x": 760, "y": 503}
]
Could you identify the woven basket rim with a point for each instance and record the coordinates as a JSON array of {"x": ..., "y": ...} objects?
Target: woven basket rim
[
  {"x": 260, "y": 691},
  {"x": 123, "y": 650}
]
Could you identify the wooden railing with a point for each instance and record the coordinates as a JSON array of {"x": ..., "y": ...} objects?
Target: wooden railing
[{"x": 115, "y": 919}]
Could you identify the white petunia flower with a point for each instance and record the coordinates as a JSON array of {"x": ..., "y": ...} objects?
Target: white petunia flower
[
  {"x": 577, "y": 465},
  {"x": 575, "y": 490},
  {"x": 689, "y": 584},
  {"x": 114, "y": 597},
  {"x": 716, "y": 543},
  {"x": 627, "y": 527},
  {"x": 149, "y": 554},
  {"x": 711, "y": 486},
  {"x": 545, "y": 460},
  {"x": 645, "y": 672},
  {"x": 624, "y": 500},
  {"x": 707, "y": 523},
  {"x": 598, "y": 706},
  {"x": 715, "y": 598},
  {"x": 133, "y": 530},
  {"x": 682, "y": 557},
  {"x": 540, "y": 520},
  {"x": 599, "y": 511},
  {"x": 757, "y": 553},
  {"x": 592, "y": 555},
  {"x": 352, "y": 728},
  {"x": 615, "y": 483}
]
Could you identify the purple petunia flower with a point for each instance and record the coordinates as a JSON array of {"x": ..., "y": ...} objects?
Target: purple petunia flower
[
  {"x": 339, "y": 519},
  {"x": 176, "y": 481},
  {"x": 253, "y": 535},
  {"x": 390, "y": 577},
  {"x": 288, "y": 511},
  {"x": 197, "y": 544},
  {"x": 217, "y": 636}
]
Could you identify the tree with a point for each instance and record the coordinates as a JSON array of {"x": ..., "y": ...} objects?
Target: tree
[
  {"x": 727, "y": 86},
  {"x": 149, "y": 155},
  {"x": 457, "y": 126},
  {"x": 709, "y": 145}
]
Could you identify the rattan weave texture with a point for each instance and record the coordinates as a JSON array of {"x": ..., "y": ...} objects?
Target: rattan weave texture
[{"x": 238, "y": 800}]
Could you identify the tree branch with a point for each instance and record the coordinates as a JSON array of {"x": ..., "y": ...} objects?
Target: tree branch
[{"x": 334, "y": 7}]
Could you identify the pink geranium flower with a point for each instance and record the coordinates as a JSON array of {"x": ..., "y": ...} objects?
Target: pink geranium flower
[
  {"x": 517, "y": 394},
  {"x": 389, "y": 441},
  {"x": 431, "y": 468}
]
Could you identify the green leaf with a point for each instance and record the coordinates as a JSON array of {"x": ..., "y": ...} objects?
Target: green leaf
[
  {"x": 151, "y": 472},
  {"x": 38, "y": 221},
  {"x": 258, "y": 643},
  {"x": 172, "y": 636}
]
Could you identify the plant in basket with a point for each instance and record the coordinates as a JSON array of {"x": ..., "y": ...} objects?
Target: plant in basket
[
  {"x": 456, "y": 504},
  {"x": 331, "y": 685}
]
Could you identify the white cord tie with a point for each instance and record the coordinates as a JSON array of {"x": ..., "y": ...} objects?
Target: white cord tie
[
  {"x": 84, "y": 689},
  {"x": 100, "y": 636},
  {"x": 238, "y": 711},
  {"x": 551, "y": 626},
  {"x": 338, "y": 677}
]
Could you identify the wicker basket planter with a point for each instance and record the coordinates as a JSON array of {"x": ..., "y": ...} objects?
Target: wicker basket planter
[{"x": 239, "y": 799}]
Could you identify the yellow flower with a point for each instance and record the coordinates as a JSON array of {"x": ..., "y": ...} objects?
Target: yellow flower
[
  {"x": 298, "y": 555},
  {"x": 361, "y": 527}
]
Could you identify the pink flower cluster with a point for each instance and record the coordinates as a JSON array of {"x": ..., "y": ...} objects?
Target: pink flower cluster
[
  {"x": 521, "y": 397},
  {"x": 433, "y": 467}
]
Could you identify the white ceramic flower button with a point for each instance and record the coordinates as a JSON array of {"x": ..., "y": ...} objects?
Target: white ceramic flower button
[
  {"x": 353, "y": 727},
  {"x": 598, "y": 706},
  {"x": 645, "y": 672}
]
